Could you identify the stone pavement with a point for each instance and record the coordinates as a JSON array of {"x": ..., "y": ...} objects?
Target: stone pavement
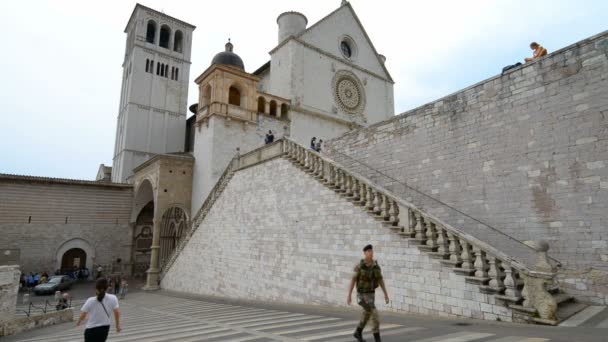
[{"x": 162, "y": 316}]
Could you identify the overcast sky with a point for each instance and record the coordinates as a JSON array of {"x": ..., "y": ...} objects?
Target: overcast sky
[{"x": 61, "y": 60}]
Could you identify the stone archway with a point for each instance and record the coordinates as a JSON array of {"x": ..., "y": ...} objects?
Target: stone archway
[
  {"x": 74, "y": 258},
  {"x": 72, "y": 245}
]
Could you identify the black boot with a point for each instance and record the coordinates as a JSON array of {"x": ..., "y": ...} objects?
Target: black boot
[
  {"x": 377, "y": 337},
  {"x": 359, "y": 334}
]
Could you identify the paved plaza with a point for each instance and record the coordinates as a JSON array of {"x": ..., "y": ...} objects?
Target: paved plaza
[{"x": 164, "y": 316}]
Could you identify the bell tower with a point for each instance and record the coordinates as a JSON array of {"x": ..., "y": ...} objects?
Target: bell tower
[{"x": 154, "y": 92}]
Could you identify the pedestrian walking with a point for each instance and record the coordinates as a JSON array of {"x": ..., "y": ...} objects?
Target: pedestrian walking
[
  {"x": 96, "y": 310},
  {"x": 367, "y": 276},
  {"x": 124, "y": 288}
]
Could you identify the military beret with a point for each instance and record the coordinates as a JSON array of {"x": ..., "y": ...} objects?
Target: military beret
[{"x": 367, "y": 247}]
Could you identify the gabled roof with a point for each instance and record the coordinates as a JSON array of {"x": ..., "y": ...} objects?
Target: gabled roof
[
  {"x": 138, "y": 5},
  {"x": 347, "y": 4}
]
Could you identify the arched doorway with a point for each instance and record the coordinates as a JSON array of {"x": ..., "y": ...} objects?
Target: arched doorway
[
  {"x": 75, "y": 252},
  {"x": 75, "y": 258},
  {"x": 142, "y": 218}
]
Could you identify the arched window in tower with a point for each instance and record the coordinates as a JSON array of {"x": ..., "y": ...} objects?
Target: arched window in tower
[
  {"x": 165, "y": 34},
  {"x": 273, "y": 108},
  {"x": 172, "y": 73},
  {"x": 150, "y": 31},
  {"x": 157, "y": 68},
  {"x": 147, "y": 65},
  {"x": 178, "y": 41},
  {"x": 234, "y": 96},
  {"x": 152, "y": 66},
  {"x": 176, "y": 74},
  {"x": 284, "y": 110},
  {"x": 166, "y": 70},
  {"x": 261, "y": 104}
]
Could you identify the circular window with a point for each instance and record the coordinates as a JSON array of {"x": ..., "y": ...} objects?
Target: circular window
[
  {"x": 346, "y": 50},
  {"x": 348, "y": 92}
]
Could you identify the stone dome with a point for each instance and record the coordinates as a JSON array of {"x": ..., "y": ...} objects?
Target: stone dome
[{"x": 228, "y": 57}]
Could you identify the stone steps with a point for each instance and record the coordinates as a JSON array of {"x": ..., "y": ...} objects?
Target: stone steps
[{"x": 432, "y": 251}]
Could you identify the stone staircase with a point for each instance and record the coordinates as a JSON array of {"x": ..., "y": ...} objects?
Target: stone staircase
[{"x": 520, "y": 276}]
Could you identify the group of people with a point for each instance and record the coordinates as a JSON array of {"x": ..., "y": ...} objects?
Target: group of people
[
  {"x": 316, "y": 145},
  {"x": 32, "y": 280}
]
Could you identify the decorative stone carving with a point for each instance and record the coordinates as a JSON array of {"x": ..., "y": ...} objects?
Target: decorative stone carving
[{"x": 348, "y": 92}]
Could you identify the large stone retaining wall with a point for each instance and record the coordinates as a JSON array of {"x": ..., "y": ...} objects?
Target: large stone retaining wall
[
  {"x": 525, "y": 152},
  {"x": 42, "y": 218},
  {"x": 277, "y": 234}
]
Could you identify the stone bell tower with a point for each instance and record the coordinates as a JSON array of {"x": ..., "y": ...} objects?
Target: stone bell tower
[{"x": 154, "y": 93}]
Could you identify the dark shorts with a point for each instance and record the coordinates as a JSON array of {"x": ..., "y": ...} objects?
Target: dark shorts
[{"x": 97, "y": 334}]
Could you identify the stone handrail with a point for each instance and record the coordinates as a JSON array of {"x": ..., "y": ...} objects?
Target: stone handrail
[{"x": 497, "y": 271}]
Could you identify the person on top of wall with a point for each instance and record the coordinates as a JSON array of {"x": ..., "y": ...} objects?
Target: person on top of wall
[{"x": 539, "y": 52}]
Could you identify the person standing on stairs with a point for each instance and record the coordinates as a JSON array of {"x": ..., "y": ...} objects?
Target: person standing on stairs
[
  {"x": 367, "y": 276},
  {"x": 97, "y": 311}
]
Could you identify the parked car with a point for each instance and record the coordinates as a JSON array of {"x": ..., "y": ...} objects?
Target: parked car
[{"x": 55, "y": 283}]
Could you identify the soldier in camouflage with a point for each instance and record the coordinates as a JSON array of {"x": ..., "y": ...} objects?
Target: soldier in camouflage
[{"x": 367, "y": 277}]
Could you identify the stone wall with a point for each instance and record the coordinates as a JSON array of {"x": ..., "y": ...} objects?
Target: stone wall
[
  {"x": 42, "y": 218},
  {"x": 277, "y": 234},
  {"x": 22, "y": 324},
  {"x": 9, "y": 286},
  {"x": 525, "y": 152}
]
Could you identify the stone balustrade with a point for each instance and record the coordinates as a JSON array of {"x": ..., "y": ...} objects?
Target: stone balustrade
[
  {"x": 511, "y": 280},
  {"x": 496, "y": 272}
]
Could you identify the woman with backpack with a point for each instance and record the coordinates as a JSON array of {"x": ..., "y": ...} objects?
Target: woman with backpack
[{"x": 97, "y": 311}]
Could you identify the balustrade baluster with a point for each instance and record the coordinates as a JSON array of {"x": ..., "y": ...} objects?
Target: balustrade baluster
[
  {"x": 455, "y": 249},
  {"x": 443, "y": 247},
  {"x": 467, "y": 260},
  {"x": 342, "y": 184},
  {"x": 362, "y": 193},
  {"x": 321, "y": 169},
  {"x": 393, "y": 213},
  {"x": 377, "y": 203},
  {"x": 419, "y": 228},
  {"x": 384, "y": 207},
  {"x": 481, "y": 263},
  {"x": 369, "y": 203},
  {"x": 431, "y": 234},
  {"x": 355, "y": 190},
  {"x": 496, "y": 275},
  {"x": 348, "y": 189},
  {"x": 331, "y": 175},
  {"x": 511, "y": 282}
]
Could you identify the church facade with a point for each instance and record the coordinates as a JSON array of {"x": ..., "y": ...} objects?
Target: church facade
[{"x": 321, "y": 80}]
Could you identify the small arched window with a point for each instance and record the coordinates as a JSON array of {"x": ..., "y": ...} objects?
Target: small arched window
[
  {"x": 166, "y": 70},
  {"x": 273, "y": 108},
  {"x": 284, "y": 110},
  {"x": 152, "y": 66},
  {"x": 147, "y": 65},
  {"x": 176, "y": 74},
  {"x": 165, "y": 34},
  {"x": 234, "y": 96},
  {"x": 261, "y": 104},
  {"x": 178, "y": 41},
  {"x": 151, "y": 31},
  {"x": 158, "y": 68}
]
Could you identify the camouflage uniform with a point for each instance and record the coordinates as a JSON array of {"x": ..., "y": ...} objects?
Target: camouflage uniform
[{"x": 368, "y": 278}]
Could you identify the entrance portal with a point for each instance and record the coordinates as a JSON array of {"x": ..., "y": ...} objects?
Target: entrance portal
[{"x": 74, "y": 258}]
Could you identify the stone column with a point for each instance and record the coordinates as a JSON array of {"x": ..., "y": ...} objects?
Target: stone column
[{"x": 153, "y": 271}]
